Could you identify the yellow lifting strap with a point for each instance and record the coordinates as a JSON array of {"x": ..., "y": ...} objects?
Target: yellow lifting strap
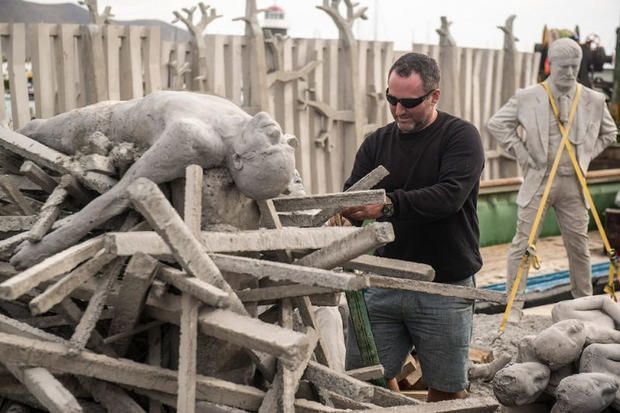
[{"x": 530, "y": 257}]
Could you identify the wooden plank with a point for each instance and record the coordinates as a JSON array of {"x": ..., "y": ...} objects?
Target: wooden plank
[
  {"x": 130, "y": 243},
  {"x": 20, "y": 109},
  {"x": 216, "y": 70},
  {"x": 49, "y": 268},
  {"x": 331, "y": 96},
  {"x": 200, "y": 290},
  {"x": 466, "y": 74},
  {"x": 334, "y": 200},
  {"x": 484, "y": 404},
  {"x": 65, "y": 63},
  {"x": 131, "y": 297},
  {"x": 317, "y": 122},
  {"x": 367, "y": 373},
  {"x": 152, "y": 58},
  {"x": 301, "y": 119},
  {"x": 93, "y": 60},
  {"x": 122, "y": 371},
  {"x": 3, "y": 114},
  {"x": 49, "y": 211},
  {"x": 131, "y": 64},
  {"x": 233, "y": 58},
  {"x": 154, "y": 359},
  {"x": 42, "y": 70},
  {"x": 111, "y": 50}
]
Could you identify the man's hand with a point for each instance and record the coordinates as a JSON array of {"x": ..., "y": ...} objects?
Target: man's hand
[{"x": 361, "y": 213}]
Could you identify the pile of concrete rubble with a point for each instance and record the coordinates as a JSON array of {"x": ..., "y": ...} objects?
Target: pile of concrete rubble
[{"x": 170, "y": 308}]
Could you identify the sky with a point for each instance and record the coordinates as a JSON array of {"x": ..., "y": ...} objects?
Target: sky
[{"x": 474, "y": 22}]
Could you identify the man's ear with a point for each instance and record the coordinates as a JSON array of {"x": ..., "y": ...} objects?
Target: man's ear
[
  {"x": 237, "y": 161},
  {"x": 435, "y": 96}
]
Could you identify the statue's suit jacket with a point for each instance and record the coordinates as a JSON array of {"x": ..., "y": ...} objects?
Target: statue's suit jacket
[{"x": 593, "y": 129}]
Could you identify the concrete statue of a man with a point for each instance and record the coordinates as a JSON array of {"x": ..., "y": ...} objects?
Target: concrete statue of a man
[
  {"x": 591, "y": 131},
  {"x": 174, "y": 129}
]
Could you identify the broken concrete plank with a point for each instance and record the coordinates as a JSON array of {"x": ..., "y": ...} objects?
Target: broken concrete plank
[
  {"x": 186, "y": 397},
  {"x": 69, "y": 310},
  {"x": 14, "y": 327},
  {"x": 49, "y": 268},
  {"x": 129, "y": 302},
  {"x": 93, "y": 311},
  {"x": 77, "y": 192},
  {"x": 301, "y": 219},
  {"x": 199, "y": 289},
  {"x": 46, "y": 389},
  {"x": 309, "y": 406},
  {"x": 123, "y": 371},
  {"x": 192, "y": 207},
  {"x": 485, "y": 404},
  {"x": 367, "y": 373},
  {"x": 387, "y": 398},
  {"x": 289, "y": 346},
  {"x": 289, "y": 272},
  {"x": 336, "y": 200},
  {"x": 130, "y": 333},
  {"x": 270, "y": 295},
  {"x": 98, "y": 163},
  {"x": 281, "y": 396},
  {"x": 38, "y": 176},
  {"x": 367, "y": 182},
  {"x": 67, "y": 284},
  {"x": 391, "y": 267},
  {"x": 269, "y": 219},
  {"x": 351, "y": 246},
  {"x": 341, "y": 402},
  {"x": 154, "y": 359},
  {"x": 32, "y": 150},
  {"x": 129, "y": 243},
  {"x": 285, "y": 313},
  {"x": 306, "y": 311},
  {"x": 185, "y": 247},
  {"x": 201, "y": 405},
  {"x": 112, "y": 397},
  {"x": 49, "y": 211},
  {"x": 14, "y": 223},
  {"x": 9, "y": 163},
  {"x": 340, "y": 383},
  {"x": 446, "y": 290},
  {"x": 15, "y": 195}
]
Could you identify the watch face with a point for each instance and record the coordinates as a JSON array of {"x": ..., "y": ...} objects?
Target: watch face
[{"x": 388, "y": 210}]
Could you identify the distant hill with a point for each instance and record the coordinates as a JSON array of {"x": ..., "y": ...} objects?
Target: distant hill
[{"x": 21, "y": 11}]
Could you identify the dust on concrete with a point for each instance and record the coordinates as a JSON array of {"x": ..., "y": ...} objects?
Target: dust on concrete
[{"x": 485, "y": 334}]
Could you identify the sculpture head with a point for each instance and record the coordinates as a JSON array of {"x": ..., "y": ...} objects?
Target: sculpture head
[
  {"x": 560, "y": 344},
  {"x": 520, "y": 383},
  {"x": 564, "y": 60},
  {"x": 263, "y": 158},
  {"x": 585, "y": 392}
]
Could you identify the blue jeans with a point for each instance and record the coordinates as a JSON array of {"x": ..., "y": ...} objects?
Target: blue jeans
[{"x": 438, "y": 327}]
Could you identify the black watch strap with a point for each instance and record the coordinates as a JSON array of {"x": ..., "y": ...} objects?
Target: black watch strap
[{"x": 388, "y": 209}]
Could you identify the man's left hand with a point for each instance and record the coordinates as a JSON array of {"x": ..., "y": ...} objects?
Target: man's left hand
[{"x": 361, "y": 213}]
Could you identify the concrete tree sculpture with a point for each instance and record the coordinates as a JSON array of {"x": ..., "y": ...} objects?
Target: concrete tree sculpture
[
  {"x": 257, "y": 94},
  {"x": 93, "y": 11},
  {"x": 449, "y": 62},
  {"x": 509, "y": 83},
  {"x": 198, "y": 43},
  {"x": 352, "y": 94}
]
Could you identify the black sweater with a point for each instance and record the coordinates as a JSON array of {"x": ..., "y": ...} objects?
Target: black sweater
[{"x": 433, "y": 183}]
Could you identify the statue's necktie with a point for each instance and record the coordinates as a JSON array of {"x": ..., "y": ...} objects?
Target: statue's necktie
[{"x": 564, "y": 108}]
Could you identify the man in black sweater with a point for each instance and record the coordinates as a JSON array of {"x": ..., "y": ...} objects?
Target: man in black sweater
[{"x": 435, "y": 161}]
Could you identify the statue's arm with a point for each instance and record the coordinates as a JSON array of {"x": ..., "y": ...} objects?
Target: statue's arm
[
  {"x": 607, "y": 132},
  {"x": 503, "y": 127}
]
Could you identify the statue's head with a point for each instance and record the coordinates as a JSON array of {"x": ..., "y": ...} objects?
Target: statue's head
[
  {"x": 520, "y": 383},
  {"x": 564, "y": 60},
  {"x": 263, "y": 158}
]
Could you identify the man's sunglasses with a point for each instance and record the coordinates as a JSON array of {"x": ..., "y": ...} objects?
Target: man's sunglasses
[{"x": 408, "y": 103}]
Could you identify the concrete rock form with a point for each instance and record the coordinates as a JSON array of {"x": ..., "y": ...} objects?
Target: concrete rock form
[
  {"x": 602, "y": 358},
  {"x": 521, "y": 383},
  {"x": 585, "y": 393}
]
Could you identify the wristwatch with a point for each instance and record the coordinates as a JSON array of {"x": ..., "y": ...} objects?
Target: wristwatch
[{"x": 388, "y": 209}]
